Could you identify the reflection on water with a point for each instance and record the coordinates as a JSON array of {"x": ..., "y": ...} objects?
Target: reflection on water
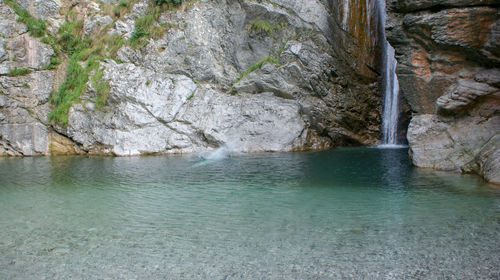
[{"x": 347, "y": 213}]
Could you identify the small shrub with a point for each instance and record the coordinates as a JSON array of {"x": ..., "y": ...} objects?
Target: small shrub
[
  {"x": 148, "y": 27},
  {"x": 54, "y": 61},
  {"x": 70, "y": 39},
  {"x": 263, "y": 26},
  {"x": 19, "y": 72},
  {"x": 260, "y": 26},
  {"x": 138, "y": 33}
]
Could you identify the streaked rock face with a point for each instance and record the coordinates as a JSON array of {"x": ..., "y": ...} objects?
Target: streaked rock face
[
  {"x": 24, "y": 105},
  {"x": 449, "y": 73}
]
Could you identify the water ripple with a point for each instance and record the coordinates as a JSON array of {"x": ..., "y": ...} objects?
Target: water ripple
[{"x": 347, "y": 213}]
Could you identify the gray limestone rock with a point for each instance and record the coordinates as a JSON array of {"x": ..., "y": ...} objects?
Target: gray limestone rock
[
  {"x": 95, "y": 23},
  {"x": 487, "y": 162},
  {"x": 453, "y": 145},
  {"x": 163, "y": 113},
  {"x": 177, "y": 92},
  {"x": 29, "y": 52},
  {"x": 24, "y": 108},
  {"x": 462, "y": 96}
]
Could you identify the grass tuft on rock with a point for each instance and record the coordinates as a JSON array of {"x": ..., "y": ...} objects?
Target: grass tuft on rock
[
  {"x": 102, "y": 88},
  {"x": 149, "y": 26},
  {"x": 255, "y": 66},
  {"x": 36, "y": 27},
  {"x": 75, "y": 83}
]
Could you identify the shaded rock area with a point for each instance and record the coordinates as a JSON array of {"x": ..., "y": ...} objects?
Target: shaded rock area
[
  {"x": 212, "y": 79},
  {"x": 449, "y": 73}
]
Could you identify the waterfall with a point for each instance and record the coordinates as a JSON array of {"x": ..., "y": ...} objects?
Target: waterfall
[
  {"x": 373, "y": 26},
  {"x": 391, "y": 96},
  {"x": 390, "y": 83},
  {"x": 345, "y": 16}
]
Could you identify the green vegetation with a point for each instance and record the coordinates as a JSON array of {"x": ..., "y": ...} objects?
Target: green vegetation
[
  {"x": 102, "y": 88},
  {"x": 70, "y": 90},
  {"x": 116, "y": 10},
  {"x": 84, "y": 54},
  {"x": 70, "y": 34},
  {"x": 36, "y": 27},
  {"x": 264, "y": 26},
  {"x": 255, "y": 66},
  {"x": 148, "y": 26},
  {"x": 122, "y": 8},
  {"x": 260, "y": 26},
  {"x": 19, "y": 72},
  {"x": 54, "y": 61},
  {"x": 190, "y": 96}
]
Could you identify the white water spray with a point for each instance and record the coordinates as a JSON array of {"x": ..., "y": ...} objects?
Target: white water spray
[{"x": 215, "y": 156}]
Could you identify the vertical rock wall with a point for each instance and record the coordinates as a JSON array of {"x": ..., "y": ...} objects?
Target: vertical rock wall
[
  {"x": 355, "y": 30},
  {"x": 449, "y": 73},
  {"x": 24, "y": 100}
]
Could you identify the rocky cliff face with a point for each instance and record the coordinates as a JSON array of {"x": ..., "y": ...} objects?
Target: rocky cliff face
[
  {"x": 449, "y": 59},
  {"x": 252, "y": 75}
]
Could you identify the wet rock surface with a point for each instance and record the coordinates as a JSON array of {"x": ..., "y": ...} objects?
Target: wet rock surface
[{"x": 449, "y": 74}]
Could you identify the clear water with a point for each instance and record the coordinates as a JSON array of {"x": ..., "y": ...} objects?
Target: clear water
[{"x": 359, "y": 213}]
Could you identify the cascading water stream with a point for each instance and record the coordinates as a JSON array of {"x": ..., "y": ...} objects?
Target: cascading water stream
[
  {"x": 391, "y": 93},
  {"x": 390, "y": 84},
  {"x": 345, "y": 14},
  {"x": 374, "y": 25}
]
